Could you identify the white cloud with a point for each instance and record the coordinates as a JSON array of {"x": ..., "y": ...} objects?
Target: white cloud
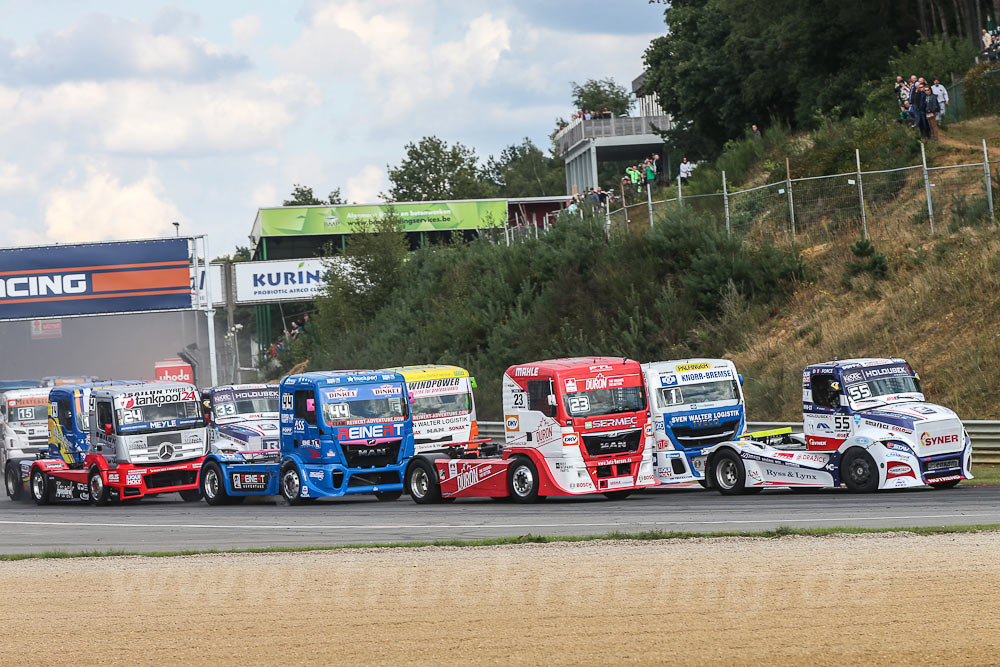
[
  {"x": 100, "y": 47},
  {"x": 245, "y": 29},
  {"x": 364, "y": 187},
  {"x": 14, "y": 179},
  {"x": 105, "y": 208}
]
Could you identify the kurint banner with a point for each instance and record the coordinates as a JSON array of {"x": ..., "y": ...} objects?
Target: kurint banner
[
  {"x": 94, "y": 279},
  {"x": 350, "y": 219},
  {"x": 279, "y": 280}
]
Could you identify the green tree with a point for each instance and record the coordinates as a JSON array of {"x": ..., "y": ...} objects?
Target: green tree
[
  {"x": 433, "y": 170},
  {"x": 596, "y": 94},
  {"x": 303, "y": 196},
  {"x": 523, "y": 170}
]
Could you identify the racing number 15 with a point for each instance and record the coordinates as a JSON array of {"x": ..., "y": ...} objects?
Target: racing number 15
[{"x": 841, "y": 423}]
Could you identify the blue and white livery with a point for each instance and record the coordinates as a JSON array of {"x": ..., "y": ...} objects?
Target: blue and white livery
[{"x": 244, "y": 419}]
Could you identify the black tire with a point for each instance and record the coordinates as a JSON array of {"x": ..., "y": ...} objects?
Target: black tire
[
  {"x": 190, "y": 495},
  {"x": 99, "y": 491},
  {"x": 422, "y": 484},
  {"x": 522, "y": 480},
  {"x": 706, "y": 484},
  {"x": 858, "y": 471},
  {"x": 950, "y": 484},
  {"x": 41, "y": 492},
  {"x": 291, "y": 484},
  {"x": 12, "y": 480},
  {"x": 728, "y": 473},
  {"x": 388, "y": 496},
  {"x": 618, "y": 495},
  {"x": 213, "y": 486}
]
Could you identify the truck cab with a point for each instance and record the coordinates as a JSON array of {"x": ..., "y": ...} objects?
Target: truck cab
[
  {"x": 583, "y": 422},
  {"x": 866, "y": 426},
  {"x": 695, "y": 404},
  {"x": 342, "y": 432},
  {"x": 24, "y": 423},
  {"x": 443, "y": 407},
  {"x": 69, "y": 420},
  {"x": 244, "y": 418}
]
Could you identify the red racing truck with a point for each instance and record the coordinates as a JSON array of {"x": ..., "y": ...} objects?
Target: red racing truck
[{"x": 572, "y": 427}]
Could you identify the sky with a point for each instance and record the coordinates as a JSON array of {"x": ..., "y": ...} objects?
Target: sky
[{"x": 118, "y": 118}]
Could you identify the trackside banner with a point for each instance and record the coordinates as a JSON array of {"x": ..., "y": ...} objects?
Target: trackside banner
[
  {"x": 279, "y": 280},
  {"x": 94, "y": 279},
  {"x": 350, "y": 219}
]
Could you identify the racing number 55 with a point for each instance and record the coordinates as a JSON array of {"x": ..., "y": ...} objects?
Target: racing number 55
[{"x": 841, "y": 423}]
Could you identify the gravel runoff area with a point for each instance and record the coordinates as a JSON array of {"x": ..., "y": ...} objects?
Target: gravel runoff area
[{"x": 871, "y": 598}]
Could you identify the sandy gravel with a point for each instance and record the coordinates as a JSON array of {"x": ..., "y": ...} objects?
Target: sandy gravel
[{"x": 868, "y": 598}]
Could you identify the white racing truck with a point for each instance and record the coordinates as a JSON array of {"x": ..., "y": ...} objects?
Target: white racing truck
[
  {"x": 244, "y": 420},
  {"x": 865, "y": 425},
  {"x": 24, "y": 422}
]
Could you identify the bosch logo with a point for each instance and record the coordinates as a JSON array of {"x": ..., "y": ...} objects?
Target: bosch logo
[
  {"x": 928, "y": 440},
  {"x": 166, "y": 451}
]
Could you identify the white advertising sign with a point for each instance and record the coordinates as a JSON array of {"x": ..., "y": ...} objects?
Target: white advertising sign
[
  {"x": 45, "y": 329},
  {"x": 279, "y": 280},
  {"x": 218, "y": 284}
]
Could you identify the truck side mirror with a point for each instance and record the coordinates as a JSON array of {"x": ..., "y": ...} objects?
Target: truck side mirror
[
  {"x": 410, "y": 395},
  {"x": 472, "y": 382},
  {"x": 740, "y": 376},
  {"x": 552, "y": 400},
  {"x": 310, "y": 405},
  {"x": 107, "y": 429}
]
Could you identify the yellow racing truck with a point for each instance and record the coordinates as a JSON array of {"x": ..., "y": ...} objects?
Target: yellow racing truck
[{"x": 444, "y": 410}]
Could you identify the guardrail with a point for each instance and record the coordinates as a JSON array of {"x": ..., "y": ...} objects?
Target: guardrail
[{"x": 985, "y": 435}]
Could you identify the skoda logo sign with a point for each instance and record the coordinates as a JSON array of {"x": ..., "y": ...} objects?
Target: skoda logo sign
[{"x": 166, "y": 451}]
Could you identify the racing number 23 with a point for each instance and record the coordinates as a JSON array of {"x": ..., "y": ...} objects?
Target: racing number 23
[{"x": 841, "y": 422}]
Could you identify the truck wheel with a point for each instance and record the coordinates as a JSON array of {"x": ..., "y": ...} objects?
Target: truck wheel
[
  {"x": 618, "y": 495},
  {"x": 99, "y": 492},
  {"x": 422, "y": 484},
  {"x": 40, "y": 487},
  {"x": 213, "y": 488},
  {"x": 388, "y": 496},
  {"x": 522, "y": 480},
  {"x": 945, "y": 485},
  {"x": 706, "y": 483},
  {"x": 190, "y": 495},
  {"x": 729, "y": 473},
  {"x": 291, "y": 485},
  {"x": 12, "y": 480},
  {"x": 859, "y": 472}
]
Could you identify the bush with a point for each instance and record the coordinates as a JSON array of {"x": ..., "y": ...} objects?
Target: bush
[
  {"x": 869, "y": 261},
  {"x": 982, "y": 89}
]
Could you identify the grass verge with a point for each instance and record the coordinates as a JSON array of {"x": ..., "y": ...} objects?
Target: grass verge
[{"x": 647, "y": 535}]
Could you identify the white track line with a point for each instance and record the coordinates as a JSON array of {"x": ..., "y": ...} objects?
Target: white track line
[{"x": 618, "y": 524}]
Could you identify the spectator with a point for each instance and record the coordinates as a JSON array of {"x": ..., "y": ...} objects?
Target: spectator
[
  {"x": 755, "y": 133},
  {"x": 686, "y": 168},
  {"x": 931, "y": 103},
  {"x": 919, "y": 109},
  {"x": 902, "y": 90},
  {"x": 941, "y": 93},
  {"x": 606, "y": 113},
  {"x": 650, "y": 173},
  {"x": 633, "y": 177},
  {"x": 904, "y": 114},
  {"x": 602, "y": 196},
  {"x": 987, "y": 40}
]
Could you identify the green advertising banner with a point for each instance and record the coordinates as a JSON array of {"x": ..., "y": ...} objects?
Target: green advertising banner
[{"x": 419, "y": 217}]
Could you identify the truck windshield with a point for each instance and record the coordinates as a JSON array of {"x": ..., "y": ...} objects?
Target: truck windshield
[
  {"x": 883, "y": 389},
  {"x": 247, "y": 407},
  {"x": 138, "y": 419},
  {"x": 364, "y": 410},
  {"x": 29, "y": 413},
  {"x": 703, "y": 392},
  {"x": 436, "y": 405},
  {"x": 604, "y": 401}
]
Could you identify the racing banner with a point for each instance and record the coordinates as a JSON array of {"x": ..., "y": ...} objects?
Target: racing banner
[
  {"x": 280, "y": 280},
  {"x": 94, "y": 279}
]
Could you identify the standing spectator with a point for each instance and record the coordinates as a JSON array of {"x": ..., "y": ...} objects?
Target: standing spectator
[
  {"x": 650, "y": 173},
  {"x": 919, "y": 108},
  {"x": 941, "y": 93},
  {"x": 902, "y": 90},
  {"x": 931, "y": 103},
  {"x": 755, "y": 132},
  {"x": 633, "y": 176},
  {"x": 602, "y": 197},
  {"x": 686, "y": 168},
  {"x": 624, "y": 185},
  {"x": 987, "y": 40}
]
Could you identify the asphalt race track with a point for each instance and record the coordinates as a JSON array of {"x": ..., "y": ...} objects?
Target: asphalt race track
[{"x": 167, "y": 523}]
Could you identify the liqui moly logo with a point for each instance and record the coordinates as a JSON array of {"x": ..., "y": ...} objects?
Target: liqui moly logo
[{"x": 928, "y": 440}]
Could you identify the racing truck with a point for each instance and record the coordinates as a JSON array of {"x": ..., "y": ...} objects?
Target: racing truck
[
  {"x": 243, "y": 418},
  {"x": 444, "y": 410},
  {"x": 695, "y": 404},
  {"x": 572, "y": 427},
  {"x": 23, "y": 424},
  {"x": 866, "y": 426},
  {"x": 144, "y": 438},
  {"x": 342, "y": 432}
]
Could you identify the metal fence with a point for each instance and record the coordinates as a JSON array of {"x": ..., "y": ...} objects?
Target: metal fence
[
  {"x": 985, "y": 436},
  {"x": 873, "y": 203}
]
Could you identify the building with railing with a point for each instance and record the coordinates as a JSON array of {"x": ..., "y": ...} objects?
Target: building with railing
[{"x": 584, "y": 143}]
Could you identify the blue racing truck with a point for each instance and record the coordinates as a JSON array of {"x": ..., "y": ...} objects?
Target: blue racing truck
[
  {"x": 342, "y": 432},
  {"x": 694, "y": 404}
]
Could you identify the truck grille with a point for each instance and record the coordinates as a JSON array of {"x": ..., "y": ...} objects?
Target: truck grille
[
  {"x": 155, "y": 440},
  {"x": 696, "y": 437},
  {"x": 372, "y": 456},
  {"x": 615, "y": 442}
]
